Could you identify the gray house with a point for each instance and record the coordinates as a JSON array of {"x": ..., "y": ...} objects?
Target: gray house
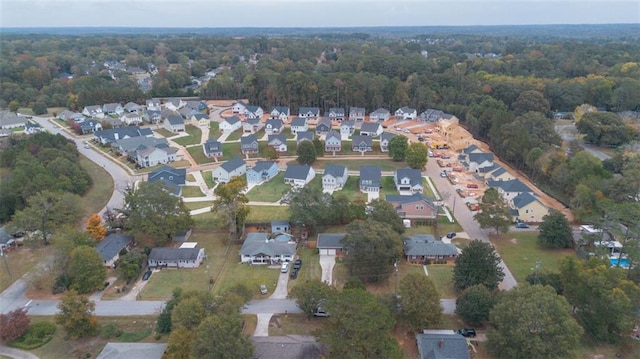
[
  {"x": 370, "y": 179},
  {"x": 431, "y": 115},
  {"x": 299, "y": 124},
  {"x": 330, "y": 243},
  {"x": 259, "y": 249},
  {"x": 408, "y": 179},
  {"x": 291, "y": 346},
  {"x": 174, "y": 124},
  {"x": 420, "y": 247},
  {"x": 111, "y": 246},
  {"x": 252, "y": 125},
  {"x": 212, "y": 148},
  {"x": 273, "y": 126},
  {"x": 385, "y": 137},
  {"x": 334, "y": 177},
  {"x": 372, "y": 129},
  {"x": 281, "y": 112},
  {"x": 262, "y": 171},
  {"x": 309, "y": 112},
  {"x": 298, "y": 175},
  {"x": 362, "y": 144},
  {"x": 305, "y": 136},
  {"x": 234, "y": 167},
  {"x": 439, "y": 345},
  {"x": 172, "y": 178},
  {"x": 333, "y": 142},
  {"x": 323, "y": 127},
  {"x": 278, "y": 142},
  {"x": 356, "y": 113},
  {"x": 183, "y": 257},
  {"x": 112, "y": 135},
  {"x": 336, "y": 113},
  {"x": 249, "y": 145},
  {"x": 380, "y": 114}
]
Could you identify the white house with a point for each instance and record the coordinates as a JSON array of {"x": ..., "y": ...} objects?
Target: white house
[
  {"x": 299, "y": 124},
  {"x": 278, "y": 142},
  {"x": 174, "y": 124},
  {"x": 406, "y": 113},
  {"x": 230, "y": 124},
  {"x": 380, "y": 114},
  {"x": 258, "y": 248},
  {"x": 385, "y": 137},
  {"x": 238, "y": 107},
  {"x": 408, "y": 180},
  {"x": 272, "y": 126},
  {"x": 372, "y": 129},
  {"x": 309, "y": 112},
  {"x": 151, "y": 156},
  {"x": 280, "y": 112},
  {"x": 334, "y": 177},
  {"x": 347, "y": 128},
  {"x": 93, "y": 111},
  {"x": 234, "y": 167},
  {"x": 131, "y": 118},
  {"x": 356, "y": 113},
  {"x": 171, "y": 257},
  {"x": 299, "y": 175},
  {"x": 253, "y": 111}
]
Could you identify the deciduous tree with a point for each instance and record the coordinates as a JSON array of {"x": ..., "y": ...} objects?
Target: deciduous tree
[
  {"x": 477, "y": 264},
  {"x": 398, "y": 146},
  {"x": 555, "y": 231},
  {"x": 475, "y": 304},
  {"x": 231, "y": 203},
  {"x": 494, "y": 212},
  {"x": 306, "y": 152},
  {"x": 13, "y": 325},
  {"x": 417, "y": 155},
  {"x": 86, "y": 270},
  {"x": 372, "y": 249},
  {"x": 76, "y": 316},
  {"x": 130, "y": 264},
  {"x": 310, "y": 294},
  {"x": 382, "y": 211},
  {"x": 180, "y": 344},
  {"x": 95, "y": 228},
  {"x": 220, "y": 337},
  {"x": 420, "y": 301}
]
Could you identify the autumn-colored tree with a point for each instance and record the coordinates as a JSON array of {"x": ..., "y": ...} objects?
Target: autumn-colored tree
[
  {"x": 76, "y": 315},
  {"x": 95, "y": 228},
  {"x": 13, "y": 325}
]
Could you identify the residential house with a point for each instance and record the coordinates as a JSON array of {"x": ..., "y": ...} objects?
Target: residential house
[
  {"x": 309, "y": 112},
  {"x": 379, "y": 115},
  {"x": 330, "y": 244},
  {"x": 93, "y": 111},
  {"x": 298, "y": 175},
  {"x": 280, "y": 112},
  {"x": 172, "y": 178},
  {"x": 114, "y": 109},
  {"x": 90, "y": 126},
  {"x": 440, "y": 345},
  {"x": 273, "y": 126},
  {"x": 230, "y": 124},
  {"x": 280, "y": 227},
  {"x": 154, "y": 105},
  {"x": 174, "y": 124},
  {"x": 421, "y": 247},
  {"x": 249, "y": 145},
  {"x": 253, "y": 111},
  {"x": 196, "y": 105},
  {"x": 471, "y": 149},
  {"x": 509, "y": 189},
  {"x": 292, "y": 346},
  {"x": 252, "y": 125},
  {"x": 234, "y": 167},
  {"x": 334, "y": 177},
  {"x": 166, "y": 113},
  {"x": 262, "y": 171},
  {"x": 6, "y": 240},
  {"x": 323, "y": 126},
  {"x": 416, "y": 208},
  {"x": 131, "y": 118},
  {"x": 132, "y": 350},
  {"x": 128, "y": 146},
  {"x": 152, "y": 116},
  {"x": 478, "y": 160},
  {"x": 200, "y": 119},
  {"x": 336, "y": 114},
  {"x": 110, "y": 247},
  {"x": 499, "y": 174},
  {"x": 526, "y": 207},
  {"x": 212, "y": 149},
  {"x": 431, "y": 115},
  {"x": 183, "y": 257},
  {"x": 333, "y": 142},
  {"x": 406, "y": 113},
  {"x": 299, "y": 124},
  {"x": 347, "y": 128},
  {"x": 151, "y": 156},
  {"x": 238, "y": 107},
  {"x": 132, "y": 107},
  {"x": 67, "y": 115},
  {"x": 115, "y": 134},
  {"x": 370, "y": 179},
  {"x": 408, "y": 180},
  {"x": 31, "y": 128},
  {"x": 186, "y": 112},
  {"x": 357, "y": 113},
  {"x": 278, "y": 142},
  {"x": 258, "y": 248},
  {"x": 304, "y": 136},
  {"x": 112, "y": 122},
  {"x": 372, "y": 129},
  {"x": 362, "y": 144},
  {"x": 174, "y": 104},
  {"x": 385, "y": 137}
]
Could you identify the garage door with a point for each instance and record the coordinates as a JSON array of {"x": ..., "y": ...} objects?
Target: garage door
[{"x": 328, "y": 252}]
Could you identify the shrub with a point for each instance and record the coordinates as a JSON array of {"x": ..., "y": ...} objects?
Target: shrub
[
  {"x": 13, "y": 325},
  {"x": 36, "y": 336},
  {"x": 111, "y": 331}
]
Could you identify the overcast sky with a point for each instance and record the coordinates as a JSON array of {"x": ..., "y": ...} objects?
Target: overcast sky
[{"x": 312, "y": 13}]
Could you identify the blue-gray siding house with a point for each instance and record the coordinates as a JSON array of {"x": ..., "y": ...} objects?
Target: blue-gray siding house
[{"x": 262, "y": 171}]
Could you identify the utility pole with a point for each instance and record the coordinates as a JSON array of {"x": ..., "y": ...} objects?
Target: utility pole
[{"x": 395, "y": 266}]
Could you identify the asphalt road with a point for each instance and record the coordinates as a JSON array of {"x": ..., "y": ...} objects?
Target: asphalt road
[{"x": 570, "y": 133}]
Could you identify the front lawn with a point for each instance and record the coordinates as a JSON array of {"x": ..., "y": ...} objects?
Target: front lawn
[
  {"x": 231, "y": 150},
  {"x": 164, "y": 132},
  {"x": 442, "y": 277},
  {"x": 197, "y": 205},
  {"x": 252, "y": 276},
  {"x": 235, "y": 135},
  {"x": 208, "y": 178},
  {"x": 270, "y": 191},
  {"x": 354, "y": 165},
  {"x": 214, "y": 130},
  {"x": 310, "y": 269},
  {"x": 192, "y": 191},
  {"x": 197, "y": 154},
  {"x": 194, "y": 136},
  {"x": 262, "y": 214},
  {"x": 520, "y": 253},
  {"x": 351, "y": 189},
  {"x": 294, "y": 324}
]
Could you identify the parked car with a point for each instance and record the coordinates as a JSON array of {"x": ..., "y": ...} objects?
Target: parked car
[
  {"x": 320, "y": 312},
  {"x": 522, "y": 225},
  {"x": 263, "y": 289},
  {"x": 285, "y": 267},
  {"x": 146, "y": 275},
  {"x": 472, "y": 185},
  {"x": 451, "y": 235},
  {"x": 467, "y": 332},
  {"x": 297, "y": 264},
  {"x": 294, "y": 273},
  {"x": 443, "y": 174}
]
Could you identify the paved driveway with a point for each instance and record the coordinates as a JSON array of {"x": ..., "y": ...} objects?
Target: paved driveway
[
  {"x": 327, "y": 262},
  {"x": 281, "y": 289}
]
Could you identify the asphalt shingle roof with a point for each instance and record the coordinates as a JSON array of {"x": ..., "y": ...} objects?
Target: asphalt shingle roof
[
  {"x": 173, "y": 254},
  {"x": 426, "y": 245},
  {"x": 233, "y": 164},
  {"x": 415, "y": 178},
  {"x": 259, "y": 243},
  {"x": 523, "y": 199},
  {"x": 330, "y": 240},
  {"x": 112, "y": 245},
  {"x": 262, "y": 166},
  {"x": 479, "y": 157},
  {"x": 442, "y": 346},
  {"x": 514, "y": 185},
  {"x": 335, "y": 170},
  {"x": 298, "y": 172},
  {"x": 372, "y": 174},
  {"x": 175, "y": 175}
]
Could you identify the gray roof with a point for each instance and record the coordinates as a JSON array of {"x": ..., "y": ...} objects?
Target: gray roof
[
  {"x": 488, "y": 169},
  {"x": 131, "y": 106},
  {"x": 4, "y": 237},
  {"x": 338, "y": 111},
  {"x": 305, "y": 135},
  {"x": 356, "y": 111},
  {"x": 259, "y": 243},
  {"x": 442, "y": 346},
  {"x": 330, "y": 240},
  {"x": 371, "y": 173},
  {"x": 211, "y": 146},
  {"x": 298, "y": 172},
  {"x": 112, "y": 245},
  {"x": 281, "y": 109},
  {"x": 513, "y": 185},
  {"x": 333, "y": 134},
  {"x": 523, "y": 199},
  {"x": 9, "y": 118},
  {"x": 325, "y": 122},
  {"x": 233, "y": 164},
  {"x": 200, "y": 116},
  {"x": 262, "y": 166},
  {"x": 274, "y": 123},
  {"x": 470, "y": 149},
  {"x": 313, "y": 110},
  {"x": 387, "y": 136},
  {"x": 479, "y": 157},
  {"x": 287, "y": 347},
  {"x": 349, "y": 123},
  {"x": 110, "y": 107},
  {"x": 414, "y": 175},
  {"x": 406, "y": 109},
  {"x": 252, "y": 109},
  {"x": 172, "y": 253},
  {"x": 231, "y": 120},
  {"x": 380, "y": 111},
  {"x": 298, "y": 122},
  {"x": 132, "y": 351},
  {"x": 253, "y": 121},
  {"x": 498, "y": 171},
  {"x": 360, "y": 139},
  {"x": 133, "y": 144},
  {"x": 280, "y": 137},
  {"x": 394, "y": 198},
  {"x": 426, "y": 245},
  {"x": 335, "y": 170},
  {"x": 248, "y": 140},
  {"x": 175, "y": 175},
  {"x": 370, "y": 127},
  {"x": 122, "y": 132}
]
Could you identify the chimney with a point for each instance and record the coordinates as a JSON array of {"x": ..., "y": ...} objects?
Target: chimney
[
  {"x": 441, "y": 344},
  {"x": 116, "y": 136}
]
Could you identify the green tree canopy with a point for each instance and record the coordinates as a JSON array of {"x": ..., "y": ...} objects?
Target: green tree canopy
[
  {"x": 604, "y": 129},
  {"x": 382, "y": 211},
  {"x": 417, "y": 155},
  {"x": 420, "y": 301},
  {"x": 477, "y": 264},
  {"x": 494, "y": 212},
  {"x": 231, "y": 203},
  {"x": 221, "y": 337},
  {"x": 555, "y": 231},
  {"x": 86, "y": 270},
  {"x": 398, "y": 146},
  {"x": 533, "y": 322},
  {"x": 372, "y": 249},
  {"x": 76, "y": 316},
  {"x": 475, "y": 304},
  {"x": 310, "y": 294},
  {"x": 306, "y": 152}
]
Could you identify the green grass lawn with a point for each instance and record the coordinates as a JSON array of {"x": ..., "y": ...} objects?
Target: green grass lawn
[
  {"x": 442, "y": 277},
  {"x": 310, "y": 269},
  {"x": 351, "y": 189},
  {"x": 252, "y": 276},
  {"x": 261, "y": 214},
  {"x": 235, "y": 135},
  {"x": 190, "y": 177},
  {"x": 231, "y": 150},
  {"x": 192, "y": 191},
  {"x": 388, "y": 187},
  {"x": 205, "y": 221},
  {"x": 208, "y": 179},
  {"x": 100, "y": 191},
  {"x": 214, "y": 130},
  {"x": 164, "y": 132},
  {"x": 194, "y": 136},
  {"x": 295, "y": 324},
  {"x": 162, "y": 283},
  {"x": 197, "y": 205},
  {"x": 520, "y": 253},
  {"x": 197, "y": 154},
  {"x": 270, "y": 191}
]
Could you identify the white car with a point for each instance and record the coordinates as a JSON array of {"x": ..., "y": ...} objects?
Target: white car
[{"x": 285, "y": 267}]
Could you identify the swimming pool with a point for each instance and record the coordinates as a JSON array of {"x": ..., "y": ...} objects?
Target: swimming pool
[{"x": 623, "y": 262}]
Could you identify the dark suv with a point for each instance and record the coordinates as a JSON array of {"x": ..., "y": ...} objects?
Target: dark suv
[{"x": 467, "y": 332}]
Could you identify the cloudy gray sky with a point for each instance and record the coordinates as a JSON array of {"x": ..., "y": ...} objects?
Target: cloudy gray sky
[{"x": 312, "y": 13}]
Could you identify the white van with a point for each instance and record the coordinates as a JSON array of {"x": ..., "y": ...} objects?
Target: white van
[{"x": 285, "y": 267}]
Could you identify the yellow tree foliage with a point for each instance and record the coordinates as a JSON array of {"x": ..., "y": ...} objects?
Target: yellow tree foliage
[{"x": 95, "y": 228}]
